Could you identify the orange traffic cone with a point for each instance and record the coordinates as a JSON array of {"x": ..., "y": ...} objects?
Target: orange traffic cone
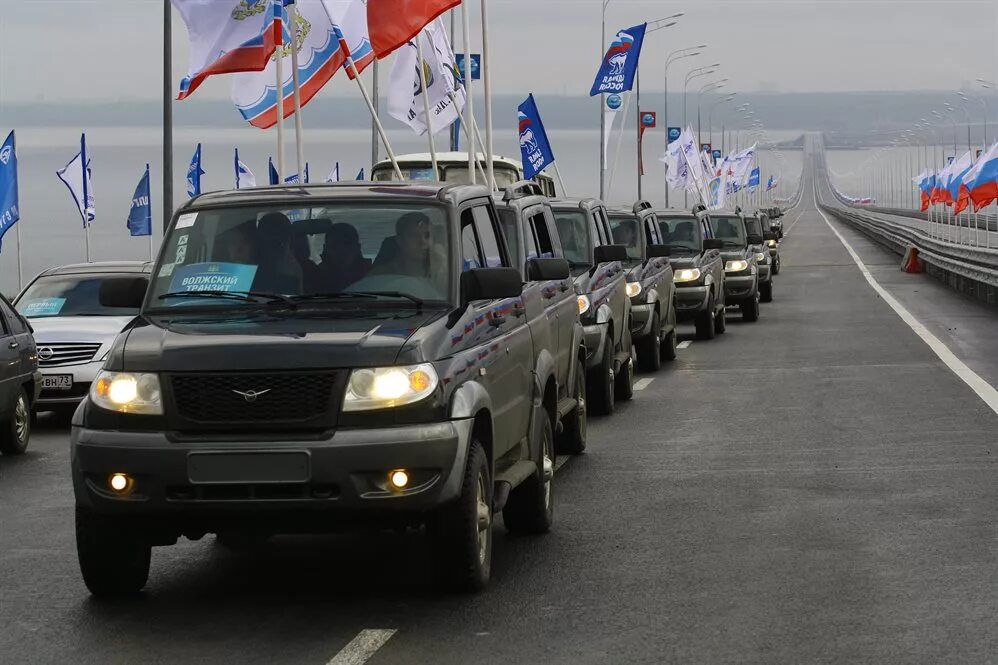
[{"x": 911, "y": 263}]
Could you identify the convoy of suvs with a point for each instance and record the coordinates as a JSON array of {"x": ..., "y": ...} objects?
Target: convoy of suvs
[{"x": 407, "y": 355}]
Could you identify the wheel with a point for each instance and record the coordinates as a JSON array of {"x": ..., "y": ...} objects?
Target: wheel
[
  {"x": 721, "y": 321},
  {"x": 649, "y": 348},
  {"x": 529, "y": 508},
  {"x": 625, "y": 378},
  {"x": 113, "y": 561},
  {"x": 705, "y": 322},
  {"x": 16, "y": 429},
  {"x": 750, "y": 310},
  {"x": 670, "y": 341},
  {"x": 601, "y": 381},
  {"x": 766, "y": 291},
  {"x": 776, "y": 265},
  {"x": 461, "y": 531},
  {"x": 576, "y": 428}
]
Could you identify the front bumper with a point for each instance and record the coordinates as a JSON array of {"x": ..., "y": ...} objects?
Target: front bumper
[
  {"x": 641, "y": 319},
  {"x": 743, "y": 287},
  {"x": 691, "y": 300},
  {"x": 346, "y": 475},
  {"x": 83, "y": 376}
]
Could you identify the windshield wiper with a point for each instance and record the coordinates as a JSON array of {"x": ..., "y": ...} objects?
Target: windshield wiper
[
  {"x": 731, "y": 243},
  {"x": 243, "y": 296},
  {"x": 359, "y": 294}
]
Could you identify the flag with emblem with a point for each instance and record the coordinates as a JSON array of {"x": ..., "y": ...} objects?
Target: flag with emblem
[
  {"x": 140, "y": 215},
  {"x": 620, "y": 63},
  {"x": 10, "y": 211},
  {"x": 535, "y": 149}
]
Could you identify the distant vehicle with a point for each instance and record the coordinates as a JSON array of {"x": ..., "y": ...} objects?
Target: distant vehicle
[
  {"x": 741, "y": 267},
  {"x": 650, "y": 284},
  {"x": 772, "y": 236},
  {"x": 74, "y": 331},
  {"x": 393, "y": 382},
  {"x": 601, "y": 290},
  {"x": 753, "y": 226},
  {"x": 698, "y": 269},
  {"x": 535, "y": 248},
  {"x": 453, "y": 167},
  {"x": 775, "y": 221},
  {"x": 20, "y": 380}
]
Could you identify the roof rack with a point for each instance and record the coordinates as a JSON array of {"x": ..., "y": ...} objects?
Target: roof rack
[
  {"x": 641, "y": 205},
  {"x": 522, "y": 189}
]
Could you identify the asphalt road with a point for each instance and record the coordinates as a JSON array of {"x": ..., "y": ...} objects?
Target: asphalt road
[{"x": 814, "y": 487}]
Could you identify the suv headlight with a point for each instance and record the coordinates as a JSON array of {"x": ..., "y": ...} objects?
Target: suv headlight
[
  {"x": 771, "y": 242},
  {"x": 633, "y": 289},
  {"x": 687, "y": 275},
  {"x": 388, "y": 387},
  {"x": 127, "y": 392},
  {"x": 761, "y": 257},
  {"x": 738, "y": 265},
  {"x": 584, "y": 304}
]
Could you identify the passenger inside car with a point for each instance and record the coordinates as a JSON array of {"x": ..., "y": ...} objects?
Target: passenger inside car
[
  {"x": 343, "y": 263},
  {"x": 278, "y": 270},
  {"x": 726, "y": 229},
  {"x": 408, "y": 251}
]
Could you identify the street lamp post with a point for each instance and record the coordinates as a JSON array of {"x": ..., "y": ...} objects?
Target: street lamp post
[
  {"x": 688, "y": 52},
  {"x": 710, "y": 87},
  {"x": 602, "y": 114},
  {"x": 655, "y": 26},
  {"x": 696, "y": 73},
  {"x": 710, "y": 115}
]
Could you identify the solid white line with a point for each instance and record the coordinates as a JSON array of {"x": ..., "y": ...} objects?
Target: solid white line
[
  {"x": 641, "y": 384},
  {"x": 684, "y": 344},
  {"x": 983, "y": 389},
  {"x": 362, "y": 647},
  {"x": 561, "y": 461}
]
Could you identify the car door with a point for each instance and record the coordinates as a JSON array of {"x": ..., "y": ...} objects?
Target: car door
[
  {"x": 10, "y": 361},
  {"x": 615, "y": 284},
  {"x": 561, "y": 306},
  {"x": 659, "y": 267},
  {"x": 504, "y": 350},
  {"x": 25, "y": 339}
]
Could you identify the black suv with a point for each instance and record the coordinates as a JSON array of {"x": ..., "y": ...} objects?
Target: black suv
[
  {"x": 650, "y": 284},
  {"x": 550, "y": 300},
  {"x": 754, "y": 228},
  {"x": 741, "y": 269},
  {"x": 601, "y": 292},
  {"x": 772, "y": 237},
  {"x": 775, "y": 216},
  {"x": 20, "y": 380},
  {"x": 370, "y": 363},
  {"x": 698, "y": 269}
]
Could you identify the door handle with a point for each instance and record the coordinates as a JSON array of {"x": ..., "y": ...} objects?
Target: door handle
[{"x": 13, "y": 345}]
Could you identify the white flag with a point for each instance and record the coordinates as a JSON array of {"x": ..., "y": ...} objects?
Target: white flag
[
  {"x": 334, "y": 175},
  {"x": 77, "y": 179},
  {"x": 405, "y": 87},
  {"x": 244, "y": 177}
]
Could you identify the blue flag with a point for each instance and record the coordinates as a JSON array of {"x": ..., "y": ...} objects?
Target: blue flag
[
  {"x": 534, "y": 146},
  {"x": 296, "y": 179},
  {"x": 76, "y": 175},
  {"x": 140, "y": 217},
  {"x": 9, "y": 210},
  {"x": 616, "y": 72},
  {"x": 754, "y": 178},
  {"x": 275, "y": 177},
  {"x": 194, "y": 173},
  {"x": 360, "y": 176}
]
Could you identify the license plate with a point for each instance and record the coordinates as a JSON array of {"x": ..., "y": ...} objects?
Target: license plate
[
  {"x": 57, "y": 382},
  {"x": 290, "y": 467}
]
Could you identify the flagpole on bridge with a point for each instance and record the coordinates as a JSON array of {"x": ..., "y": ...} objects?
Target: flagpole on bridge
[
  {"x": 486, "y": 68},
  {"x": 469, "y": 111},
  {"x": 279, "y": 73},
  {"x": 296, "y": 82},
  {"x": 167, "y": 113},
  {"x": 421, "y": 66}
]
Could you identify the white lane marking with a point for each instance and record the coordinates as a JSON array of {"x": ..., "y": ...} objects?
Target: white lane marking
[
  {"x": 362, "y": 647},
  {"x": 560, "y": 462},
  {"x": 684, "y": 345},
  {"x": 983, "y": 389},
  {"x": 791, "y": 227},
  {"x": 641, "y": 384}
]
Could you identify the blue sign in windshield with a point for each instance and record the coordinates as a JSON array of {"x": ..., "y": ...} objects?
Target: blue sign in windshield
[
  {"x": 214, "y": 276},
  {"x": 42, "y": 307}
]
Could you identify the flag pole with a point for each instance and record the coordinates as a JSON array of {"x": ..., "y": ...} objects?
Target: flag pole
[
  {"x": 150, "y": 213},
  {"x": 561, "y": 181},
  {"x": 620, "y": 141},
  {"x": 486, "y": 76},
  {"x": 483, "y": 162},
  {"x": 167, "y": 113},
  {"x": 467, "y": 135},
  {"x": 86, "y": 194},
  {"x": 421, "y": 66},
  {"x": 279, "y": 74},
  {"x": 296, "y": 82},
  {"x": 469, "y": 112},
  {"x": 20, "y": 277},
  {"x": 375, "y": 98}
]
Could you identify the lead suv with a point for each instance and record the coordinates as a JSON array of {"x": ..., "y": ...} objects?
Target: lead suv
[
  {"x": 741, "y": 267},
  {"x": 698, "y": 269},
  {"x": 371, "y": 364},
  {"x": 601, "y": 292},
  {"x": 549, "y": 297}
]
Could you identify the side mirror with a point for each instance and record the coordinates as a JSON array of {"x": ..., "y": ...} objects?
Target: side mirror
[
  {"x": 712, "y": 243},
  {"x": 659, "y": 251},
  {"x": 754, "y": 239},
  {"x": 770, "y": 236},
  {"x": 609, "y": 254},
  {"x": 545, "y": 270},
  {"x": 123, "y": 292},
  {"x": 491, "y": 284}
]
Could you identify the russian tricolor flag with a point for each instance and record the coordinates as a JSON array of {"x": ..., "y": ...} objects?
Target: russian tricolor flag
[{"x": 981, "y": 183}]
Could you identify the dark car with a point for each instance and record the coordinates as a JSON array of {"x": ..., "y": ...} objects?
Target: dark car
[
  {"x": 371, "y": 364},
  {"x": 650, "y": 284},
  {"x": 698, "y": 268},
  {"x": 741, "y": 270},
  {"x": 775, "y": 220},
  {"x": 754, "y": 228},
  {"x": 549, "y": 297},
  {"x": 20, "y": 380},
  {"x": 772, "y": 237},
  {"x": 601, "y": 292}
]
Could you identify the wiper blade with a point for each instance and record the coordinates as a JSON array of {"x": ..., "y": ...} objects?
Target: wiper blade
[
  {"x": 243, "y": 296},
  {"x": 352, "y": 295}
]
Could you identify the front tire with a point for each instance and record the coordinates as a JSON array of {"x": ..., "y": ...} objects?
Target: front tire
[
  {"x": 113, "y": 562},
  {"x": 721, "y": 321},
  {"x": 601, "y": 382},
  {"x": 530, "y": 507},
  {"x": 461, "y": 532},
  {"x": 576, "y": 428},
  {"x": 625, "y": 377},
  {"x": 750, "y": 310},
  {"x": 650, "y": 347},
  {"x": 16, "y": 429},
  {"x": 766, "y": 291},
  {"x": 705, "y": 321},
  {"x": 776, "y": 265},
  {"x": 670, "y": 341}
]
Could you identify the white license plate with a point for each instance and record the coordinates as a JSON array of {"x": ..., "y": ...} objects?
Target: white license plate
[{"x": 57, "y": 382}]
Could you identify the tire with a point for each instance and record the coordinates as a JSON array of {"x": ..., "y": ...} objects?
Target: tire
[
  {"x": 766, "y": 291},
  {"x": 461, "y": 532},
  {"x": 776, "y": 265},
  {"x": 669, "y": 343},
  {"x": 650, "y": 347},
  {"x": 705, "y": 321},
  {"x": 750, "y": 310},
  {"x": 113, "y": 562},
  {"x": 16, "y": 429},
  {"x": 601, "y": 383},
  {"x": 721, "y": 321},
  {"x": 576, "y": 427},
  {"x": 530, "y": 507},
  {"x": 625, "y": 378}
]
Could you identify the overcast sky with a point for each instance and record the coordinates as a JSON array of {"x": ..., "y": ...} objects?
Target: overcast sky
[{"x": 107, "y": 50}]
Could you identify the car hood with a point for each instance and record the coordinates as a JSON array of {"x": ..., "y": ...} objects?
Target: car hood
[
  {"x": 685, "y": 261},
  {"x": 732, "y": 254},
  {"x": 265, "y": 343},
  {"x": 48, "y": 329}
]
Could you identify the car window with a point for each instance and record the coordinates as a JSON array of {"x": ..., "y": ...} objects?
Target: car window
[
  {"x": 5, "y": 317},
  {"x": 680, "y": 232},
  {"x": 487, "y": 239},
  {"x": 573, "y": 230},
  {"x": 17, "y": 325},
  {"x": 511, "y": 231},
  {"x": 539, "y": 227},
  {"x": 651, "y": 231},
  {"x": 753, "y": 226},
  {"x": 728, "y": 229},
  {"x": 470, "y": 254},
  {"x": 69, "y": 295},
  {"x": 625, "y": 232}
]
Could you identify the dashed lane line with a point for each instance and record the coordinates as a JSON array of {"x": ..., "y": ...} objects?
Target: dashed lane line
[
  {"x": 983, "y": 389},
  {"x": 362, "y": 647},
  {"x": 791, "y": 227},
  {"x": 684, "y": 344},
  {"x": 641, "y": 384}
]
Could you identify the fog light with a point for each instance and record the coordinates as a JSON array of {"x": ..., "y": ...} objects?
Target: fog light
[
  {"x": 120, "y": 482},
  {"x": 399, "y": 479}
]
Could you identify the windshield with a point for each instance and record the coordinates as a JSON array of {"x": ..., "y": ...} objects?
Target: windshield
[
  {"x": 422, "y": 172},
  {"x": 753, "y": 226},
  {"x": 729, "y": 230},
  {"x": 625, "y": 232},
  {"x": 342, "y": 248},
  {"x": 69, "y": 295},
  {"x": 453, "y": 172},
  {"x": 574, "y": 233},
  {"x": 680, "y": 232}
]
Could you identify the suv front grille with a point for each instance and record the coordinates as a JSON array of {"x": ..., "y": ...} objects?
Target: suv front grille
[
  {"x": 56, "y": 354},
  {"x": 279, "y": 398}
]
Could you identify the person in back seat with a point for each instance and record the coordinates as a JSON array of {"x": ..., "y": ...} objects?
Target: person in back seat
[{"x": 342, "y": 261}]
